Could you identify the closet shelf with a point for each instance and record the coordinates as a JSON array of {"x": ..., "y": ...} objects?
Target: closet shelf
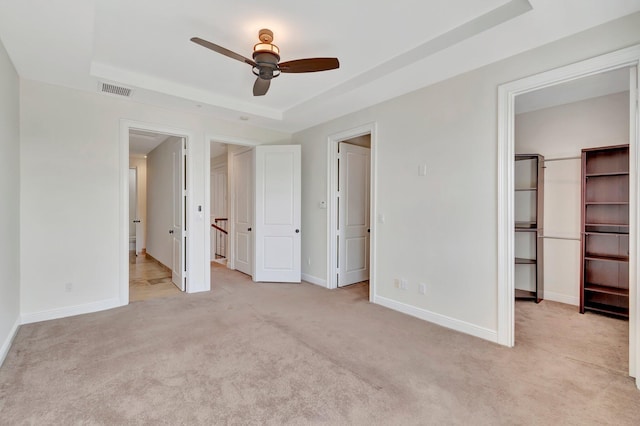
[
  {"x": 596, "y": 288},
  {"x": 617, "y": 234},
  {"x": 525, "y": 294},
  {"x": 526, "y": 225},
  {"x": 608, "y": 309},
  {"x": 607, "y": 203},
  {"x": 617, "y": 225},
  {"x": 607, "y": 258},
  {"x": 620, "y": 173}
]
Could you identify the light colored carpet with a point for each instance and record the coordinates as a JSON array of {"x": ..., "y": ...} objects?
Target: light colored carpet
[{"x": 276, "y": 354}]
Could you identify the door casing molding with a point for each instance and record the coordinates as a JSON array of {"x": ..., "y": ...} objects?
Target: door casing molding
[
  {"x": 125, "y": 126},
  {"x": 628, "y": 57},
  {"x": 229, "y": 140}
]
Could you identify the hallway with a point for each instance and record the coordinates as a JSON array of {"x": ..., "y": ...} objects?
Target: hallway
[{"x": 149, "y": 279}]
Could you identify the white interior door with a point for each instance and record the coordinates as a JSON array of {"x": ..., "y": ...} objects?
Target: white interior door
[
  {"x": 133, "y": 215},
  {"x": 178, "y": 225},
  {"x": 243, "y": 211},
  {"x": 277, "y": 221},
  {"x": 353, "y": 212}
]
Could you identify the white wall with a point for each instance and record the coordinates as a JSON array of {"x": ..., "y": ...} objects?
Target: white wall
[
  {"x": 160, "y": 201},
  {"x": 140, "y": 164},
  {"x": 440, "y": 229},
  {"x": 70, "y": 158},
  {"x": 10, "y": 204},
  {"x": 563, "y": 131}
]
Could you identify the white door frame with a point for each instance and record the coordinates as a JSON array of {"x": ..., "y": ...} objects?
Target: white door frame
[
  {"x": 229, "y": 140},
  {"x": 125, "y": 127},
  {"x": 506, "y": 147},
  {"x": 332, "y": 206}
]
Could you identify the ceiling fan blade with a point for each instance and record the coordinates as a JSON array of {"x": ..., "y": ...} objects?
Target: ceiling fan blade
[
  {"x": 261, "y": 86},
  {"x": 223, "y": 51},
  {"x": 309, "y": 65}
]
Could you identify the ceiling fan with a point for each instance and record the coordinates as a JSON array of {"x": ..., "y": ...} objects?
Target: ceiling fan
[{"x": 266, "y": 57}]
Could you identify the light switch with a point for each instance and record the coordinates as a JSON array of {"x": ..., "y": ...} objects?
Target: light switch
[
  {"x": 422, "y": 170},
  {"x": 322, "y": 204},
  {"x": 380, "y": 218}
]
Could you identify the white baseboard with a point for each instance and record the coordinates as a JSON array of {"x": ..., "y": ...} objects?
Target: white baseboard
[
  {"x": 443, "y": 320},
  {"x": 314, "y": 280},
  {"x": 6, "y": 345},
  {"x": 70, "y": 311},
  {"x": 562, "y": 298}
]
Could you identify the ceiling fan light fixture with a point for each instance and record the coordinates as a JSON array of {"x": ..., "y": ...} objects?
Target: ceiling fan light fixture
[
  {"x": 266, "y": 48},
  {"x": 266, "y": 63}
]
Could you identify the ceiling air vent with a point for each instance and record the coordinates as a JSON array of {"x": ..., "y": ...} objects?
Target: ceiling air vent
[{"x": 115, "y": 90}]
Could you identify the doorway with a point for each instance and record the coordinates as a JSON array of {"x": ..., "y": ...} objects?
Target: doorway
[
  {"x": 231, "y": 207},
  {"x": 219, "y": 212},
  {"x": 354, "y": 162},
  {"x": 506, "y": 149},
  {"x": 264, "y": 197},
  {"x": 351, "y": 236},
  {"x": 552, "y": 128},
  {"x": 157, "y": 266}
]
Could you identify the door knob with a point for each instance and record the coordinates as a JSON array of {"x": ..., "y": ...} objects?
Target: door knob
[
  {"x": 297, "y": 231},
  {"x": 368, "y": 230},
  {"x": 171, "y": 231},
  {"x": 136, "y": 221},
  {"x": 249, "y": 229}
]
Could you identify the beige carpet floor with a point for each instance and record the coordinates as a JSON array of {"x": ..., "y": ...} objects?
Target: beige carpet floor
[{"x": 277, "y": 354}]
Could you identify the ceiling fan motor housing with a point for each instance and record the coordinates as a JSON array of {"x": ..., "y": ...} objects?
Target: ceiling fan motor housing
[{"x": 267, "y": 65}]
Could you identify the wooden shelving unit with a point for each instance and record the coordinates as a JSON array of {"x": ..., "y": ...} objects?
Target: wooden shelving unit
[
  {"x": 528, "y": 209},
  {"x": 605, "y": 231}
]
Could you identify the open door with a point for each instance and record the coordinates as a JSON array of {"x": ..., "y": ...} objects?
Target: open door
[
  {"x": 133, "y": 210},
  {"x": 136, "y": 223},
  {"x": 243, "y": 212},
  {"x": 353, "y": 212},
  {"x": 277, "y": 213},
  {"x": 178, "y": 229}
]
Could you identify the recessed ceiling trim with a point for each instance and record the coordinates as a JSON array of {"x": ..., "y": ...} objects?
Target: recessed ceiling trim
[
  {"x": 493, "y": 18},
  {"x": 149, "y": 82}
]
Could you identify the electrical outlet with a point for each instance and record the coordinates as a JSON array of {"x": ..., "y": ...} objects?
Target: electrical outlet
[
  {"x": 422, "y": 288},
  {"x": 396, "y": 283},
  {"x": 403, "y": 284},
  {"x": 308, "y": 260},
  {"x": 68, "y": 287}
]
